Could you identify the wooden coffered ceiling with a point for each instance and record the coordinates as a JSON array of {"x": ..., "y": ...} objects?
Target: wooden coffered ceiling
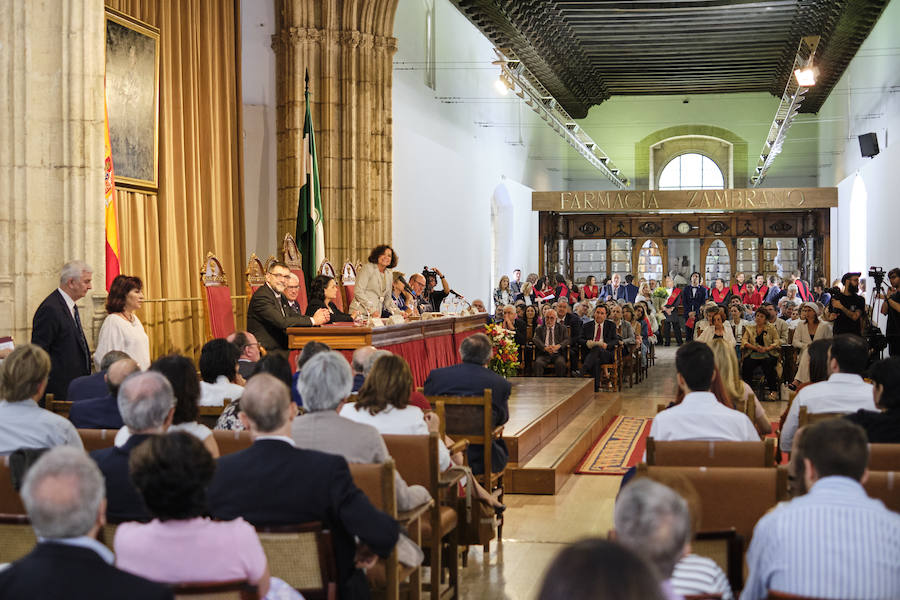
[{"x": 585, "y": 51}]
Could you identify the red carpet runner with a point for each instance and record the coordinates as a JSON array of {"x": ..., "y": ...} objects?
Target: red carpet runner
[{"x": 621, "y": 446}]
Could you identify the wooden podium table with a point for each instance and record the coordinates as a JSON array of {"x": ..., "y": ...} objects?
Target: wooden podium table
[{"x": 425, "y": 345}]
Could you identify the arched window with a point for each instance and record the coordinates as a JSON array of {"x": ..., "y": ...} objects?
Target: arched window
[{"x": 691, "y": 172}]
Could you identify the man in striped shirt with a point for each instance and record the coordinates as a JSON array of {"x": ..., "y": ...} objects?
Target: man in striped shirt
[{"x": 833, "y": 542}]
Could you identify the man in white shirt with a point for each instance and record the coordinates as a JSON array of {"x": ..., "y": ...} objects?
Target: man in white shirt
[
  {"x": 844, "y": 392},
  {"x": 700, "y": 416}
]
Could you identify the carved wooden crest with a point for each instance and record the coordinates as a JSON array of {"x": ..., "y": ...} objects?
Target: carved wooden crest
[
  {"x": 620, "y": 232},
  {"x": 292, "y": 257},
  {"x": 212, "y": 272},
  {"x": 326, "y": 269},
  {"x": 717, "y": 227},
  {"x": 589, "y": 228},
  {"x": 348, "y": 273},
  {"x": 747, "y": 231},
  {"x": 781, "y": 227},
  {"x": 650, "y": 228}
]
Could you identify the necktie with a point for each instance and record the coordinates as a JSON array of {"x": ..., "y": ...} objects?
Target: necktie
[
  {"x": 81, "y": 339},
  {"x": 280, "y": 303},
  {"x": 599, "y": 333}
]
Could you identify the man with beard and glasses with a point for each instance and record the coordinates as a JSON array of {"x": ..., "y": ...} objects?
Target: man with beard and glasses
[{"x": 849, "y": 306}]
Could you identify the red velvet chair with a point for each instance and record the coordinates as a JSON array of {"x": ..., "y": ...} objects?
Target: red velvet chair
[
  {"x": 348, "y": 281},
  {"x": 217, "y": 299},
  {"x": 294, "y": 260},
  {"x": 326, "y": 268}
]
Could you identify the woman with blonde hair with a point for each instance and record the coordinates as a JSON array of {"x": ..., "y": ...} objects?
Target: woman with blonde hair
[
  {"x": 502, "y": 296},
  {"x": 736, "y": 388}
]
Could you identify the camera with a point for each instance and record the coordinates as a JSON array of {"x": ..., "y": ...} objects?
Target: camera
[
  {"x": 426, "y": 273},
  {"x": 877, "y": 274}
]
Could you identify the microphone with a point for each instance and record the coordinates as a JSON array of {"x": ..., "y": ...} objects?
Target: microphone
[
  {"x": 402, "y": 280},
  {"x": 457, "y": 294}
]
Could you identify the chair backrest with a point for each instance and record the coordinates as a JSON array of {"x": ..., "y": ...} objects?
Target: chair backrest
[
  {"x": 884, "y": 486},
  {"x": 10, "y": 501},
  {"x": 303, "y": 556},
  {"x": 208, "y": 415},
  {"x": 256, "y": 274},
  {"x": 731, "y": 497},
  {"x": 230, "y": 441},
  {"x": 416, "y": 459},
  {"x": 378, "y": 484},
  {"x": 884, "y": 457},
  {"x": 217, "y": 298},
  {"x": 216, "y": 590},
  {"x": 17, "y": 535},
  {"x": 348, "y": 281},
  {"x": 60, "y": 407},
  {"x": 808, "y": 418},
  {"x": 469, "y": 417},
  {"x": 711, "y": 454},
  {"x": 269, "y": 262},
  {"x": 290, "y": 253},
  {"x": 327, "y": 269},
  {"x": 97, "y": 439}
]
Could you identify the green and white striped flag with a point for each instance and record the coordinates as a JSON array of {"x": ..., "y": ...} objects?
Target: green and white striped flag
[{"x": 310, "y": 234}]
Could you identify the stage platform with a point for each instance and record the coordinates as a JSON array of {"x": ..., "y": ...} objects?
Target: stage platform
[{"x": 552, "y": 424}]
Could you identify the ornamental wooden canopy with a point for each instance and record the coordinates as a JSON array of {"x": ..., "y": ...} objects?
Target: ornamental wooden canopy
[{"x": 585, "y": 51}]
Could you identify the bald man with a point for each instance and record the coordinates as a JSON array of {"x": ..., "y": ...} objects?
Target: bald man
[
  {"x": 359, "y": 363},
  {"x": 103, "y": 413}
]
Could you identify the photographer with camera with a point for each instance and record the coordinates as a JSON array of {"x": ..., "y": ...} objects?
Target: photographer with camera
[
  {"x": 891, "y": 308},
  {"x": 849, "y": 307},
  {"x": 427, "y": 298}
]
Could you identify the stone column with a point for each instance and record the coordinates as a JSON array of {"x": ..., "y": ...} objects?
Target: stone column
[
  {"x": 51, "y": 153},
  {"x": 349, "y": 55}
]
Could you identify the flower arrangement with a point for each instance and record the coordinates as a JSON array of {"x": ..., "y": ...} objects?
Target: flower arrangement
[
  {"x": 660, "y": 292},
  {"x": 505, "y": 358}
]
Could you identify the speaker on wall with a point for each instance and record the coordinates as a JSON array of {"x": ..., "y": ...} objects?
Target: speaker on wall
[{"x": 868, "y": 145}]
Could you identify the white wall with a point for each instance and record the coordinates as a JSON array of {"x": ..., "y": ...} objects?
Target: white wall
[{"x": 260, "y": 149}]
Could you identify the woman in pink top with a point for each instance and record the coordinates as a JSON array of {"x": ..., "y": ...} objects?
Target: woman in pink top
[{"x": 180, "y": 545}]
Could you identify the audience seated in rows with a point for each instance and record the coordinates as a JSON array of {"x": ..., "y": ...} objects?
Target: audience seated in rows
[
  {"x": 147, "y": 405},
  {"x": 761, "y": 348},
  {"x": 24, "y": 424},
  {"x": 700, "y": 416},
  {"x": 834, "y": 541},
  {"x": 580, "y": 571},
  {"x": 103, "y": 412},
  {"x": 219, "y": 372},
  {"x": 882, "y": 427},
  {"x": 181, "y": 544},
  {"x": 63, "y": 494},
  {"x": 843, "y": 392},
  {"x": 276, "y": 483},
  {"x": 653, "y": 521},
  {"x": 247, "y": 345},
  {"x": 94, "y": 385}
]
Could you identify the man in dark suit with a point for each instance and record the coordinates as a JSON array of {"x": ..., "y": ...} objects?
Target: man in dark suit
[
  {"x": 63, "y": 494},
  {"x": 275, "y": 483},
  {"x": 599, "y": 339},
  {"x": 631, "y": 290},
  {"x": 103, "y": 412},
  {"x": 246, "y": 343},
  {"x": 551, "y": 342},
  {"x": 57, "y": 329},
  {"x": 613, "y": 290},
  {"x": 693, "y": 297},
  {"x": 94, "y": 385},
  {"x": 573, "y": 323},
  {"x": 147, "y": 404},
  {"x": 291, "y": 292},
  {"x": 470, "y": 378},
  {"x": 267, "y": 316}
]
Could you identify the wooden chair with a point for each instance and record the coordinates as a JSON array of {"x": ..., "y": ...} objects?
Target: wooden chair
[
  {"x": 256, "y": 274},
  {"x": 471, "y": 418},
  {"x": 217, "y": 298},
  {"x": 416, "y": 457},
  {"x": 303, "y": 556},
  {"x": 97, "y": 439},
  {"x": 711, "y": 454},
  {"x": 216, "y": 590},
  {"x": 327, "y": 269},
  {"x": 774, "y": 595},
  {"x": 10, "y": 501},
  {"x": 17, "y": 535},
  {"x": 612, "y": 372},
  {"x": 808, "y": 418},
  {"x": 885, "y": 486},
  {"x": 230, "y": 441},
  {"x": 348, "y": 281},
  {"x": 377, "y": 482},
  {"x": 726, "y": 549},
  {"x": 884, "y": 457},
  {"x": 290, "y": 253},
  {"x": 208, "y": 415},
  {"x": 60, "y": 407}
]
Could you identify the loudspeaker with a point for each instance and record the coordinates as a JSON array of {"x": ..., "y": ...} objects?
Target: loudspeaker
[{"x": 868, "y": 145}]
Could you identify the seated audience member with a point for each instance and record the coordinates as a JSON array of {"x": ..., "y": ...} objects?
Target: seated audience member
[
  {"x": 584, "y": 568},
  {"x": 761, "y": 347},
  {"x": 323, "y": 429},
  {"x": 358, "y": 363},
  {"x": 470, "y": 378},
  {"x": 503, "y": 295},
  {"x": 882, "y": 427},
  {"x": 700, "y": 416},
  {"x": 273, "y": 482},
  {"x": 93, "y": 386},
  {"x": 181, "y": 544},
  {"x": 24, "y": 424},
  {"x": 599, "y": 340},
  {"x": 780, "y": 324},
  {"x": 527, "y": 295},
  {"x": 834, "y": 541},
  {"x": 219, "y": 372},
  {"x": 309, "y": 350},
  {"x": 63, "y": 494},
  {"x": 551, "y": 341},
  {"x": 276, "y": 365},
  {"x": 291, "y": 291},
  {"x": 513, "y": 324},
  {"x": 147, "y": 404},
  {"x": 844, "y": 392},
  {"x": 739, "y": 392},
  {"x": 573, "y": 325},
  {"x": 478, "y": 305},
  {"x": 717, "y": 329},
  {"x": 246, "y": 343},
  {"x": 653, "y": 522},
  {"x": 323, "y": 291},
  {"x": 103, "y": 412}
]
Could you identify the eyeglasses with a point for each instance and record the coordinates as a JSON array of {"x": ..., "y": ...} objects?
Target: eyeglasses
[{"x": 293, "y": 287}]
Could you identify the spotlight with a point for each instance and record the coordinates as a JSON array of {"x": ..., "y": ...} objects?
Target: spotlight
[
  {"x": 806, "y": 77},
  {"x": 500, "y": 86}
]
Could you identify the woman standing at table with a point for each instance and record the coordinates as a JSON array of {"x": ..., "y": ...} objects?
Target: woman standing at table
[
  {"x": 323, "y": 292},
  {"x": 122, "y": 330},
  {"x": 372, "y": 295}
]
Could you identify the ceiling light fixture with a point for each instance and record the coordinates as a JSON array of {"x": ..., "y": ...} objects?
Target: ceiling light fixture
[{"x": 806, "y": 77}]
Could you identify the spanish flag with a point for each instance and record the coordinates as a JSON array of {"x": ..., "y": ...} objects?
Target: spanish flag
[{"x": 112, "y": 227}]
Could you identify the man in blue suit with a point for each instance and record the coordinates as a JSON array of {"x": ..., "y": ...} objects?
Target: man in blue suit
[
  {"x": 94, "y": 386},
  {"x": 693, "y": 297},
  {"x": 103, "y": 412},
  {"x": 470, "y": 378},
  {"x": 631, "y": 290},
  {"x": 614, "y": 290}
]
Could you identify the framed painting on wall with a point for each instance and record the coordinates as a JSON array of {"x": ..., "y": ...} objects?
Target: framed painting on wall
[{"x": 132, "y": 100}]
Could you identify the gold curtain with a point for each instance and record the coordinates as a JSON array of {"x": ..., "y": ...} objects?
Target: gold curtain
[{"x": 164, "y": 237}]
